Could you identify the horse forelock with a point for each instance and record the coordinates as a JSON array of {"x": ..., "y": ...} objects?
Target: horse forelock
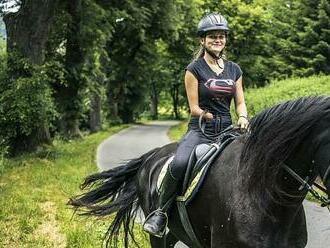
[{"x": 273, "y": 135}]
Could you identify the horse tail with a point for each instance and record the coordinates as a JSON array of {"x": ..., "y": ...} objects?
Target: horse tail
[{"x": 113, "y": 191}]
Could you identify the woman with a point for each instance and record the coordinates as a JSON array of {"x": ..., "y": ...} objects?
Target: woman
[{"x": 211, "y": 83}]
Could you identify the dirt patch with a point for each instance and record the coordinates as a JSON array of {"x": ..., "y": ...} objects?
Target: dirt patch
[{"x": 49, "y": 229}]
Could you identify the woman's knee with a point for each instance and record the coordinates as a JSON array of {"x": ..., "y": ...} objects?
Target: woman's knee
[{"x": 178, "y": 167}]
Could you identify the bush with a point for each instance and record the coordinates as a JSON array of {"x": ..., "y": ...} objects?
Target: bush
[
  {"x": 26, "y": 102},
  {"x": 258, "y": 99}
]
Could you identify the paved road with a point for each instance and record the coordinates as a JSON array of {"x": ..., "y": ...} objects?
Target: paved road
[{"x": 135, "y": 141}]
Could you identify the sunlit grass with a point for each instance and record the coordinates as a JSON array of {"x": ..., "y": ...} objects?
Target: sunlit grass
[
  {"x": 176, "y": 132},
  {"x": 34, "y": 191}
]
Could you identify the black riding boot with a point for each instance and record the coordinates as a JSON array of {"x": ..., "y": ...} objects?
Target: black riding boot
[{"x": 156, "y": 221}]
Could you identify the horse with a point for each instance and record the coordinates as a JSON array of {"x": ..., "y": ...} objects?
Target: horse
[{"x": 247, "y": 200}]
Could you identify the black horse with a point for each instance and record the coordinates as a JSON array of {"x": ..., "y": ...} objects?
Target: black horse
[{"x": 248, "y": 199}]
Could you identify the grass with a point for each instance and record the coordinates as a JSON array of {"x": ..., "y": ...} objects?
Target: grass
[
  {"x": 278, "y": 91},
  {"x": 176, "y": 132},
  {"x": 34, "y": 191}
]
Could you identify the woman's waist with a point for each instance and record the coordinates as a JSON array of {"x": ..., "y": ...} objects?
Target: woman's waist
[
  {"x": 218, "y": 122},
  {"x": 222, "y": 116}
]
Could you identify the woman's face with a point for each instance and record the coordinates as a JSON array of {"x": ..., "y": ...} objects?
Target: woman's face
[{"x": 215, "y": 41}]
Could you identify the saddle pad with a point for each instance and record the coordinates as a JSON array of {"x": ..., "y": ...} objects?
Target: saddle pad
[
  {"x": 163, "y": 172},
  {"x": 193, "y": 186}
]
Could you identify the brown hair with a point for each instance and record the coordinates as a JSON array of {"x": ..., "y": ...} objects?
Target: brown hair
[{"x": 199, "y": 53}]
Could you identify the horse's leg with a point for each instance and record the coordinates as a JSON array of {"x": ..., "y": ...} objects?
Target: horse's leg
[{"x": 167, "y": 242}]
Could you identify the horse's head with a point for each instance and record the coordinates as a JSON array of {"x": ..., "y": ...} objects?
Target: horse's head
[
  {"x": 295, "y": 133},
  {"x": 311, "y": 158},
  {"x": 322, "y": 149}
]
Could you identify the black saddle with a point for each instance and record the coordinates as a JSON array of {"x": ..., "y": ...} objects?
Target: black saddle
[{"x": 204, "y": 154}]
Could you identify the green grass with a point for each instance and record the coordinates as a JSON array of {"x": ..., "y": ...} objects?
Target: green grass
[
  {"x": 34, "y": 191},
  {"x": 176, "y": 132},
  {"x": 278, "y": 91}
]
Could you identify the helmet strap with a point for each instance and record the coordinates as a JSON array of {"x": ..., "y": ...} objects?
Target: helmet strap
[{"x": 214, "y": 56}]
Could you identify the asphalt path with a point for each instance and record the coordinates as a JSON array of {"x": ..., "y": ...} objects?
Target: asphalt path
[{"x": 136, "y": 140}]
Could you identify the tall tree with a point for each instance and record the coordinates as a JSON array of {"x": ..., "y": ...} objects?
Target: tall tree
[
  {"x": 74, "y": 58},
  {"x": 320, "y": 60},
  {"x": 26, "y": 127},
  {"x": 138, "y": 26}
]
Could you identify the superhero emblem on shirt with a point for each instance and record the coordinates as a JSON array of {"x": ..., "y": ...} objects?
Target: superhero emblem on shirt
[{"x": 220, "y": 87}]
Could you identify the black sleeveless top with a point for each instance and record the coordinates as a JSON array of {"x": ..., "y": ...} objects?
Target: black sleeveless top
[{"x": 215, "y": 92}]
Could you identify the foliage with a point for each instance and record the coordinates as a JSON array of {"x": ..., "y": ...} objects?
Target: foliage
[
  {"x": 26, "y": 103},
  {"x": 134, "y": 45},
  {"x": 131, "y": 55},
  {"x": 299, "y": 36}
]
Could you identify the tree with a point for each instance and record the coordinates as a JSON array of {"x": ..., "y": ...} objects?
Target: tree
[
  {"x": 26, "y": 105},
  {"x": 321, "y": 46},
  {"x": 81, "y": 32},
  {"x": 132, "y": 47},
  {"x": 309, "y": 51}
]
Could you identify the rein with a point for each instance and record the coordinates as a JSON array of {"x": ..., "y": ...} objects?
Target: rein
[
  {"x": 202, "y": 124},
  {"x": 305, "y": 185},
  {"x": 218, "y": 136}
]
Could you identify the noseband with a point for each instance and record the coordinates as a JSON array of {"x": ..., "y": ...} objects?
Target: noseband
[{"x": 325, "y": 202}]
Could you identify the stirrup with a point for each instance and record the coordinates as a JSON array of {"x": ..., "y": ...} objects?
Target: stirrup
[{"x": 159, "y": 212}]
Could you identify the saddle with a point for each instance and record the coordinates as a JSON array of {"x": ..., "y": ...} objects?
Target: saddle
[{"x": 200, "y": 160}]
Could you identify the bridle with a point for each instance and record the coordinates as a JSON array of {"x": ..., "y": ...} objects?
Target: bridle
[{"x": 325, "y": 202}]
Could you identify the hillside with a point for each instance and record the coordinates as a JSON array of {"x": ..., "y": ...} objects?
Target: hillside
[{"x": 278, "y": 91}]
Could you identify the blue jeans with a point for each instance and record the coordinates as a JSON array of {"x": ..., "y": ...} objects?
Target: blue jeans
[{"x": 193, "y": 137}]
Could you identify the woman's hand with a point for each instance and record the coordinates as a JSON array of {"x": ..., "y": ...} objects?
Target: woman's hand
[
  {"x": 208, "y": 116},
  {"x": 243, "y": 122}
]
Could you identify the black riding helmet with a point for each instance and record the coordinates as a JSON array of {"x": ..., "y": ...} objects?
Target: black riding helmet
[{"x": 212, "y": 22}]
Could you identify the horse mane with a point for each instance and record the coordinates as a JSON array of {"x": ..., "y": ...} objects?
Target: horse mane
[{"x": 272, "y": 136}]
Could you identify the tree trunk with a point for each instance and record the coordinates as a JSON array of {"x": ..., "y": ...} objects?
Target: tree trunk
[
  {"x": 68, "y": 95},
  {"x": 28, "y": 29},
  {"x": 175, "y": 100},
  {"x": 27, "y": 34},
  {"x": 95, "y": 113},
  {"x": 153, "y": 101}
]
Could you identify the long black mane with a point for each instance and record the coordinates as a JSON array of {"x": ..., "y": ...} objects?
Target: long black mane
[{"x": 272, "y": 137}]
